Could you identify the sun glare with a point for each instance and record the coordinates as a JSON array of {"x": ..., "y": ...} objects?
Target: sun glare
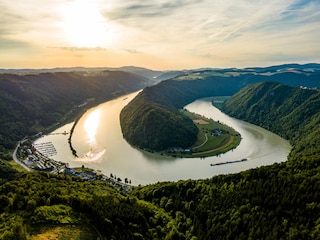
[{"x": 84, "y": 26}]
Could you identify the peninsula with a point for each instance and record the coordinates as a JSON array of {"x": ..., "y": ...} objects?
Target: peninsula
[{"x": 213, "y": 138}]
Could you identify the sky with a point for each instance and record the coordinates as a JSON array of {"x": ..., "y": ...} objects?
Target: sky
[{"x": 158, "y": 34}]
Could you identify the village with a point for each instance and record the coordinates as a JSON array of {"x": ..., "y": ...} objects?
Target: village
[{"x": 37, "y": 157}]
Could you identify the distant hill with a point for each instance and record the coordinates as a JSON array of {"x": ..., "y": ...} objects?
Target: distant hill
[
  {"x": 32, "y": 102},
  {"x": 313, "y": 67},
  {"x": 137, "y": 118},
  {"x": 150, "y": 74},
  {"x": 169, "y": 74},
  {"x": 144, "y": 72}
]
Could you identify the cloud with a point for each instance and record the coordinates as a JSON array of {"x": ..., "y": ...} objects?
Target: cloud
[
  {"x": 80, "y": 49},
  {"x": 9, "y": 45},
  {"x": 302, "y": 12},
  {"x": 9, "y": 20},
  {"x": 132, "y": 51},
  {"x": 177, "y": 32},
  {"x": 136, "y": 9},
  {"x": 25, "y": 23},
  {"x": 300, "y": 4}
]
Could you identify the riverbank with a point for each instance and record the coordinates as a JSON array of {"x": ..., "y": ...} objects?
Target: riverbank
[
  {"x": 74, "y": 152},
  {"x": 35, "y": 157},
  {"x": 72, "y": 115},
  {"x": 28, "y": 157},
  {"x": 121, "y": 159}
]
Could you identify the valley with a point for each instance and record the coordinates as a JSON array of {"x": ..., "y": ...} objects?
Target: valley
[
  {"x": 160, "y": 120},
  {"x": 272, "y": 201}
]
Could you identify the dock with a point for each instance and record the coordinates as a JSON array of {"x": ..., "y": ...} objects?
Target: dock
[
  {"x": 63, "y": 133},
  {"x": 46, "y": 148}
]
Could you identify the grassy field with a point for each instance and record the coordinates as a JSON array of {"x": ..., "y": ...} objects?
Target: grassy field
[
  {"x": 213, "y": 138},
  {"x": 63, "y": 232},
  {"x": 60, "y": 222},
  {"x": 16, "y": 166}
]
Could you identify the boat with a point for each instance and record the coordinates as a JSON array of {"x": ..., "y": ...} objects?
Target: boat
[{"x": 228, "y": 162}]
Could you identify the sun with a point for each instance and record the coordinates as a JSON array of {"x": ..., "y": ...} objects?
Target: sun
[{"x": 84, "y": 26}]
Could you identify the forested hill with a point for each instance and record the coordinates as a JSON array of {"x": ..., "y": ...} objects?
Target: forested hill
[
  {"x": 280, "y": 201},
  {"x": 30, "y": 103},
  {"x": 291, "y": 112},
  {"x": 152, "y": 121}
]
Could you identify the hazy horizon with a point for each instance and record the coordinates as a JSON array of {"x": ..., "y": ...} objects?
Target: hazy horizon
[{"x": 159, "y": 35}]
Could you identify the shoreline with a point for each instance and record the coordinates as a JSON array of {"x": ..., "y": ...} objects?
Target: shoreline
[
  {"x": 72, "y": 116},
  {"x": 209, "y": 133},
  {"x": 74, "y": 152},
  {"x": 40, "y": 162},
  {"x": 123, "y": 168}
]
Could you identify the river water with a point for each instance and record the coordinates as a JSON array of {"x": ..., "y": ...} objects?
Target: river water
[{"x": 100, "y": 145}]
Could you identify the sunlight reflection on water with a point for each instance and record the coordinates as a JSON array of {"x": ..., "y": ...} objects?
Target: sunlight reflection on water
[{"x": 91, "y": 126}]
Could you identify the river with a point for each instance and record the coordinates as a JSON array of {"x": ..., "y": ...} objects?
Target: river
[{"x": 100, "y": 145}]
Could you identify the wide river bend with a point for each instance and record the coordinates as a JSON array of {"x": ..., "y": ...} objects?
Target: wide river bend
[{"x": 100, "y": 145}]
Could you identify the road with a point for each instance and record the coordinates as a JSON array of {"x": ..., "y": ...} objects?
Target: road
[{"x": 14, "y": 156}]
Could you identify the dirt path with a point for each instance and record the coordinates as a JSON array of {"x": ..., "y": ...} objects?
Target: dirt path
[
  {"x": 205, "y": 141},
  {"x": 216, "y": 149}
]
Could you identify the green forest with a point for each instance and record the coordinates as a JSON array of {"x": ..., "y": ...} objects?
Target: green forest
[
  {"x": 280, "y": 201},
  {"x": 291, "y": 112},
  {"x": 152, "y": 121},
  {"x": 32, "y": 103}
]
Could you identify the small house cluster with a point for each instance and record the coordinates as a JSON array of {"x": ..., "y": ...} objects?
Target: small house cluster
[
  {"x": 217, "y": 132},
  {"x": 36, "y": 157},
  {"x": 39, "y": 160},
  {"x": 179, "y": 150},
  {"x": 92, "y": 175}
]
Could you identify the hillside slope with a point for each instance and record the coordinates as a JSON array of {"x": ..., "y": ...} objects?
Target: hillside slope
[
  {"x": 31, "y": 103},
  {"x": 35, "y": 200},
  {"x": 164, "y": 99},
  {"x": 291, "y": 112},
  {"x": 280, "y": 201}
]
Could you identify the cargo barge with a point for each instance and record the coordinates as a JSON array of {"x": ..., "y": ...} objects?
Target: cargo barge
[{"x": 228, "y": 162}]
